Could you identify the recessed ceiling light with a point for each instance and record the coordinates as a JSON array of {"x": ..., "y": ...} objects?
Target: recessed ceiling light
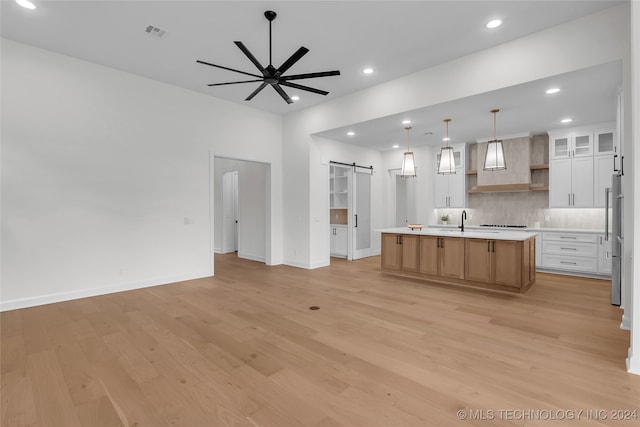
[
  {"x": 395, "y": 146},
  {"x": 295, "y": 98},
  {"x": 567, "y": 120},
  {"x": 553, "y": 90},
  {"x": 494, "y": 23},
  {"x": 406, "y": 122},
  {"x": 367, "y": 71},
  {"x": 351, "y": 133},
  {"x": 26, "y": 4}
]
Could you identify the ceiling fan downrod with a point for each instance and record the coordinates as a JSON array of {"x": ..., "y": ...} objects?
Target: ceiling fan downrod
[{"x": 270, "y": 15}]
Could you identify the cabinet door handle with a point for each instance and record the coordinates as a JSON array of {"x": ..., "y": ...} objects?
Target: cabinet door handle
[
  {"x": 493, "y": 246},
  {"x": 569, "y": 202},
  {"x": 573, "y": 197},
  {"x": 488, "y": 245},
  {"x": 356, "y": 220},
  {"x": 622, "y": 165},
  {"x": 442, "y": 242},
  {"x": 569, "y": 249},
  {"x": 614, "y": 163},
  {"x": 568, "y": 237},
  {"x": 567, "y": 262}
]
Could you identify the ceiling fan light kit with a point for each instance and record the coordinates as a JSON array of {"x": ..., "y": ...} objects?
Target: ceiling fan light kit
[{"x": 272, "y": 76}]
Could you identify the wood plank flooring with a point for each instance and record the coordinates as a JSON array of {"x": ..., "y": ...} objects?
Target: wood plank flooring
[{"x": 243, "y": 349}]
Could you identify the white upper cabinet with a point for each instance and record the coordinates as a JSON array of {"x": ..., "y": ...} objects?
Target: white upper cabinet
[
  {"x": 574, "y": 144},
  {"x": 571, "y": 183},
  {"x": 605, "y": 142},
  {"x": 582, "y": 161}
]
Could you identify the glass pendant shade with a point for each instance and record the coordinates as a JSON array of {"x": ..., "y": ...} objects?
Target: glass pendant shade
[
  {"x": 447, "y": 164},
  {"x": 494, "y": 160},
  {"x": 408, "y": 164}
]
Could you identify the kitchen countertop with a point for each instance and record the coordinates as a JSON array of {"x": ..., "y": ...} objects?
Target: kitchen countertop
[
  {"x": 468, "y": 233},
  {"x": 526, "y": 229}
]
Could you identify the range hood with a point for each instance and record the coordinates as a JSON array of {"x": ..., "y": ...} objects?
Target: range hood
[{"x": 517, "y": 176}]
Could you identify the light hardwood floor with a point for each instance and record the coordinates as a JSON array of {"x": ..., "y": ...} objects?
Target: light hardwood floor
[{"x": 243, "y": 349}]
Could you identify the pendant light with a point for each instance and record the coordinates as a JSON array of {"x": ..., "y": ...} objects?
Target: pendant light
[
  {"x": 494, "y": 160},
  {"x": 447, "y": 165},
  {"x": 408, "y": 164}
]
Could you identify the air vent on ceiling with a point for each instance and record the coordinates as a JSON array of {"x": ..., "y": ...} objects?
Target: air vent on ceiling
[{"x": 154, "y": 31}]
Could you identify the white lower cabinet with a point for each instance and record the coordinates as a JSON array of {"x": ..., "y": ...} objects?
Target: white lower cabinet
[
  {"x": 338, "y": 240},
  {"x": 579, "y": 253}
]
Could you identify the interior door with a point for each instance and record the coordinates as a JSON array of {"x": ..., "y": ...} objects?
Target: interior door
[
  {"x": 361, "y": 229},
  {"x": 230, "y": 212}
]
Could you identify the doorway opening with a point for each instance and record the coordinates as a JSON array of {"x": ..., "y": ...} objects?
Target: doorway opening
[
  {"x": 404, "y": 195},
  {"x": 240, "y": 209}
]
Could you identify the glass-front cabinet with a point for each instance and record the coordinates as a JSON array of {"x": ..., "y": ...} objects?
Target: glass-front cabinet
[
  {"x": 579, "y": 144},
  {"x": 605, "y": 142}
]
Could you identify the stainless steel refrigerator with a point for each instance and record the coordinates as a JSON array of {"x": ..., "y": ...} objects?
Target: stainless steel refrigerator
[{"x": 613, "y": 233}]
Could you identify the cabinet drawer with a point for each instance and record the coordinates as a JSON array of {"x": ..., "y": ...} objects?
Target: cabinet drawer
[
  {"x": 570, "y": 237},
  {"x": 560, "y": 262},
  {"x": 570, "y": 248}
]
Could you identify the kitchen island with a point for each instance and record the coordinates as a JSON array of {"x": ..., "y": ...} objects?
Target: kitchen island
[{"x": 499, "y": 260}]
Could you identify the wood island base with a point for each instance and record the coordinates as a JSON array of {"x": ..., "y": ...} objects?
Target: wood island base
[{"x": 487, "y": 263}]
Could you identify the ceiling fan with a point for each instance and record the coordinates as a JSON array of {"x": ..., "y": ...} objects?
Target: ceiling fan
[{"x": 274, "y": 76}]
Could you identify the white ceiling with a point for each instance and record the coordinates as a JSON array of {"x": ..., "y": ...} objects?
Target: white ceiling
[{"x": 396, "y": 38}]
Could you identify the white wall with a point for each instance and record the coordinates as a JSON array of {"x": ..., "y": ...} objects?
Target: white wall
[
  {"x": 100, "y": 169},
  {"x": 633, "y": 362}
]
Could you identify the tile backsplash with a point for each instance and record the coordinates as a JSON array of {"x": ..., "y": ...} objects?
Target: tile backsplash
[{"x": 524, "y": 208}]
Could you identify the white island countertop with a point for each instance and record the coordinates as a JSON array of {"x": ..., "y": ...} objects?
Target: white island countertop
[{"x": 469, "y": 234}]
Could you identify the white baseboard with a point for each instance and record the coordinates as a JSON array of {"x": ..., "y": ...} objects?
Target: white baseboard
[
  {"x": 626, "y": 322},
  {"x": 319, "y": 264},
  {"x": 633, "y": 363},
  {"x": 251, "y": 257},
  {"x": 85, "y": 293}
]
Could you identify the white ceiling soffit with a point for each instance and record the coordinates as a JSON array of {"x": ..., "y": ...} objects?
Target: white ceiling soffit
[
  {"x": 587, "y": 96},
  {"x": 395, "y": 38}
]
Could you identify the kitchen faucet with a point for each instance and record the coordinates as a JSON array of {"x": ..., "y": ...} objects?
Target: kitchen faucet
[{"x": 464, "y": 216}]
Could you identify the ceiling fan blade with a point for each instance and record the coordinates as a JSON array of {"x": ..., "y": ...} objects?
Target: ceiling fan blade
[
  {"x": 255, "y": 92},
  {"x": 311, "y": 75},
  {"x": 282, "y": 93},
  {"x": 227, "y": 68},
  {"x": 307, "y": 88},
  {"x": 249, "y": 55},
  {"x": 234, "y": 83},
  {"x": 293, "y": 59}
]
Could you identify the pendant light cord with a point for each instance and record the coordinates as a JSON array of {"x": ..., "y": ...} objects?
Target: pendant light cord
[
  {"x": 408, "y": 129},
  {"x": 495, "y": 138},
  {"x": 447, "y": 123}
]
